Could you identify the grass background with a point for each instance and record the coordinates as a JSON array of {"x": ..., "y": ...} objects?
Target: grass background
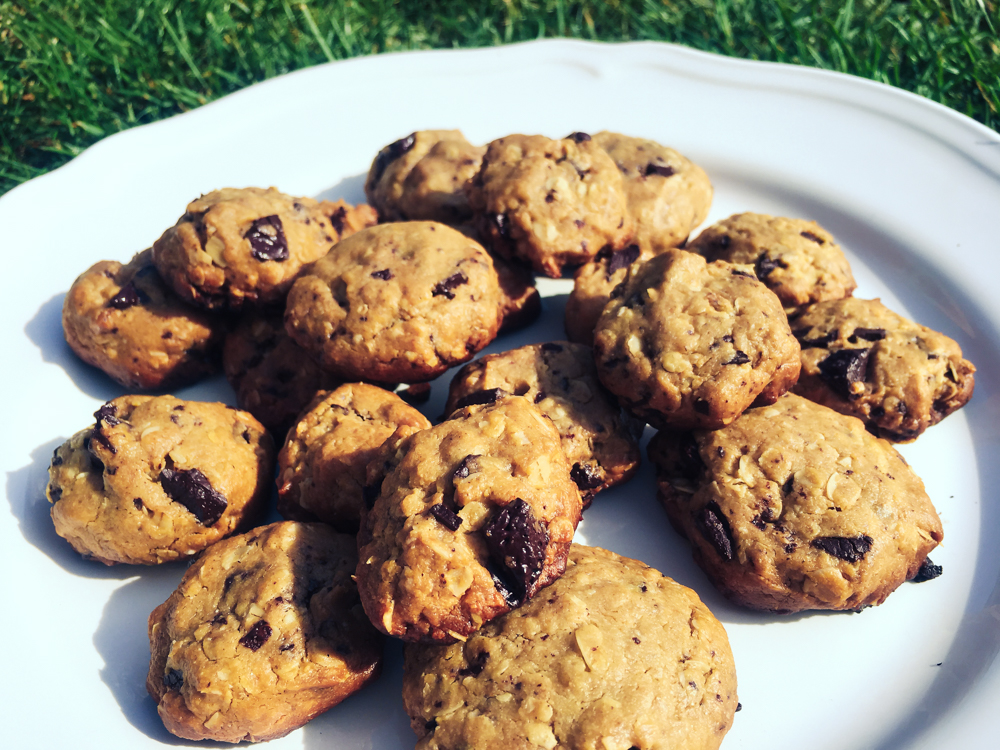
[{"x": 74, "y": 71}]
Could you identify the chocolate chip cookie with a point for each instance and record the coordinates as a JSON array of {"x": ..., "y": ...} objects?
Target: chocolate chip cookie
[
  {"x": 263, "y": 633},
  {"x": 862, "y": 359},
  {"x": 794, "y": 507},
  {"x": 468, "y": 519},
  {"x": 613, "y": 655},
  {"x": 125, "y": 321},
  {"x": 560, "y": 379},
  {"x": 668, "y": 195},
  {"x": 321, "y": 468},
  {"x": 396, "y": 302},
  {"x": 689, "y": 344},
  {"x": 798, "y": 260},
  {"x": 520, "y": 302},
  {"x": 593, "y": 283},
  {"x": 158, "y": 479},
  {"x": 549, "y": 203}
]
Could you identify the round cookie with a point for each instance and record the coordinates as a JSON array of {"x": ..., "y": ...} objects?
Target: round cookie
[
  {"x": 321, "y": 468},
  {"x": 125, "y": 321},
  {"x": 396, "y": 302},
  {"x": 798, "y": 260},
  {"x": 794, "y": 507},
  {"x": 158, "y": 479},
  {"x": 549, "y": 203},
  {"x": 468, "y": 519},
  {"x": 593, "y": 283},
  {"x": 274, "y": 378},
  {"x": 862, "y": 359},
  {"x": 614, "y": 655},
  {"x": 560, "y": 379},
  {"x": 687, "y": 344},
  {"x": 263, "y": 633},
  {"x": 235, "y": 245},
  {"x": 420, "y": 177},
  {"x": 668, "y": 195}
]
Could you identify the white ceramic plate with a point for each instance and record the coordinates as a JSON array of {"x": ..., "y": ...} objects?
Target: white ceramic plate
[{"x": 910, "y": 188}]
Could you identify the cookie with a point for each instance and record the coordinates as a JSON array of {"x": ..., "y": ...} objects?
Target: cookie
[
  {"x": 158, "y": 479},
  {"x": 668, "y": 195},
  {"x": 397, "y": 302},
  {"x": 549, "y": 203},
  {"x": 125, "y": 321},
  {"x": 593, "y": 283},
  {"x": 797, "y": 259},
  {"x": 421, "y": 177},
  {"x": 794, "y": 507},
  {"x": 234, "y": 245},
  {"x": 897, "y": 376},
  {"x": 321, "y": 468},
  {"x": 468, "y": 519},
  {"x": 274, "y": 378},
  {"x": 689, "y": 344},
  {"x": 560, "y": 379},
  {"x": 614, "y": 655},
  {"x": 263, "y": 633},
  {"x": 520, "y": 302}
]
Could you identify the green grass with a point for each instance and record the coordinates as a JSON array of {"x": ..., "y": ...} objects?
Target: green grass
[{"x": 74, "y": 71}]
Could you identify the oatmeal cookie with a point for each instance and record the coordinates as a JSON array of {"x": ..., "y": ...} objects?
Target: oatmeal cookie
[{"x": 593, "y": 283}]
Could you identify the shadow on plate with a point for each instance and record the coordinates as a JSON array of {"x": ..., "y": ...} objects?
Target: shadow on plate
[{"x": 350, "y": 189}]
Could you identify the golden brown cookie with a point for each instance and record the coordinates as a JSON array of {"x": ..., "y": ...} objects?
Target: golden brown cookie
[
  {"x": 593, "y": 283},
  {"x": 520, "y": 302},
  {"x": 263, "y": 633}
]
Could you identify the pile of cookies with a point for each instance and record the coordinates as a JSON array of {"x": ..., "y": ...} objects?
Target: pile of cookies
[{"x": 775, "y": 394}]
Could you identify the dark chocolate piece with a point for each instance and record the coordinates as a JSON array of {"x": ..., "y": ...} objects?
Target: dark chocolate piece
[
  {"x": 257, "y": 636},
  {"x": 586, "y": 476},
  {"x": 849, "y": 549},
  {"x": 127, "y": 296},
  {"x": 622, "y": 259},
  {"x": 928, "y": 571},
  {"x": 843, "y": 368},
  {"x": 444, "y": 288},
  {"x": 191, "y": 488},
  {"x": 815, "y": 238},
  {"x": 739, "y": 358},
  {"x": 267, "y": 239},
  {"x": 579, "y": 137},
  {"x": 713, "y": 525},
  {"x": 663, "y": 170},
  {"x": 446, "y": 516},
  {"x": 385, "y": 274},
  {"x": 868, "y": 334},
  {"x": 766, "y": 264},
  {"x": 468, "y": 466},
  {"x": 490, "y": 396},
  {"x": 173, "y": 679},
  {"x": 517, "y": 542},
  {"x": 820, "y": 342},
  {"x": 392, "y": 152}
]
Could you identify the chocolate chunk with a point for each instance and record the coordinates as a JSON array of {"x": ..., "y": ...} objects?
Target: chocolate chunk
[
  {"x": 552, "y": 347},
  {"x": 173, "y": 679},
  {"x": 765, "y": 265},
  {"x": 843, "y": 368},
  {"x": 257, "y": 635},
  {"x": 868, "y": 334},
  {"x": 490, "y": 396},
  {"x": 715, "y": 528},
  {"x": 810, "y": 236},
  {"x": 663, "y": 170},
  {"x": 107, "y": 414},
  {"x": 789, "y": 483},
  {"x": 578, "y": 137},
  {"x": 191, "y": 488},
  {"x": 517, "y": 542},
  {"x": 820, "y": 342},
  {"x": 928, "y": 571},
  {"x": 740, "y": 358},
  {"x": 444, "y": 288},
  {"x": 446, "y": 516},
  {"x": 759, "y": 522},
  {"x": 689, "y": 462},
  {"x": 337, "y": 219},
  {"x": 849, "y": 549},
  {"x": 738, "y": 272},
  {"x": 476, "y": 665},
  {"x": 392, "y": 152},
  {"x": 385, "y": 274},
  {"x": 267, "y": 239},
  {"x": 702, "y": 406},
  {"x": 127, "y": 296},
  {"x": 469, "y": 465},
  {"x": 586, "y": 476},
  {"x": 622, "y": 259},
  {"x": 540, "y": 396}
]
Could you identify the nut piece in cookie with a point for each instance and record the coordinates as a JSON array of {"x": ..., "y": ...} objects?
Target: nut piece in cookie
[
  {"x": 668, "y": 195},
  {"x": 796, "y": 259},
  {"x": 549, "y": 203},
  {"x": 560, "y": 379},
  {"x": 897, "y": 376},
  {"x": 794, "y": 507},
  {"x": 468, "y": 519},
  {"x": 159, "y": 479},
  {"x": 398, "y": 302},
  {"x": 421, "y": 177},
  {"x": 125, "y": 321},
  {"x": 593, "y": 283},
  {"x": 263, "y": 633},
  {"x": 321, "y": 468},
  {"x": 689, "y": 344},
  {"x": 613, "y": 655},
  {"x": 236, "y": 245}
]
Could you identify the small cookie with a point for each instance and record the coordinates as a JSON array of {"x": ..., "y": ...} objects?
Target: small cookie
[
  {"x": 420, "y": 177},
  {"x": 396, "y": 302},
  {"x": 549, "y": 203},
  {"x": 668, "y": 195},
  {"x": 593, "y": 283},
  {"x": 469, "y": 519},
  {"x": 560, "y": 379},
  {"x": 125, "y": 321},
  {"x": 246, "y": 245},
  {"x": 263, "y": 633},
  {"x": 274, "y": 378},
  {"x": 158, "y": 479},
  {"x": 794, "y": 506},
  {"x": 321, "y": 468},
  {"x": 897, "y": 376},
  {"x": 613, "y": 655},
  {"x": 687, "y": 344},
  {"x": 798, "y": 260}
]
